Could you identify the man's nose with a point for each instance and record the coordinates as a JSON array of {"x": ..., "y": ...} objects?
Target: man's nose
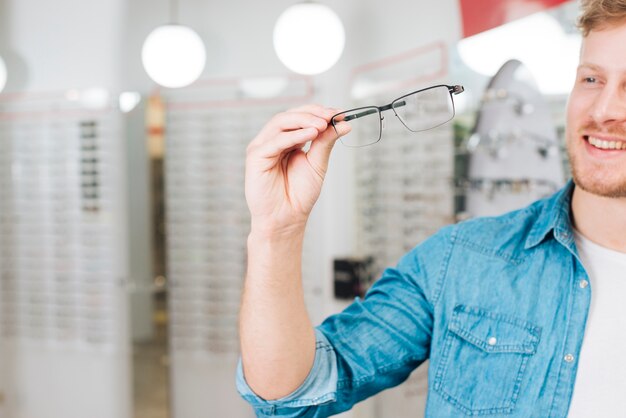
[{"x": 610, "y": 105}]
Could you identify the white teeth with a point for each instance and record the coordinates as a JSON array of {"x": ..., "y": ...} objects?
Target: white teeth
[{"x": 602, "y": 144}]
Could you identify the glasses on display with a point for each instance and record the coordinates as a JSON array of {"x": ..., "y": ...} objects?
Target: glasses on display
[{"x": 418, "y": 111}]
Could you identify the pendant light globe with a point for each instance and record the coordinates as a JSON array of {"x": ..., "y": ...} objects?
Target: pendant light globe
[
  {"x": 309, "y": 38},
  {"x": 173, "y": 55}
]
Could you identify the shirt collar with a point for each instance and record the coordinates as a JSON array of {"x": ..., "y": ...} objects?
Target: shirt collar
[{"x": 554, "y": 216}]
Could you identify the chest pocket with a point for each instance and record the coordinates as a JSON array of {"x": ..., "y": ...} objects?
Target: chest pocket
[{"x": 483, "y": 360}]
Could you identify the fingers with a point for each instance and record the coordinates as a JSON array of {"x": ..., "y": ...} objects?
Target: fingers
[
  {"x": 321, "y": 147},
  {"x": 287, "y": 141},
  {"x": 343, "y": 128},
  {"x": 308, "y": 121},
  {"x": 293, "y": 129},
  {"x": 290, "y": 121}
]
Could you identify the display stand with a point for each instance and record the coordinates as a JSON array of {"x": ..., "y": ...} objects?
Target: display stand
[
  {"x": 514, "y": 153},
  {"x": 64, "y": 336},
  {"x": 209, "y": 126}
]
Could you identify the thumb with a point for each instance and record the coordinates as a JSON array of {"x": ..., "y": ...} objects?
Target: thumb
[{"x": 321, "y": 147}]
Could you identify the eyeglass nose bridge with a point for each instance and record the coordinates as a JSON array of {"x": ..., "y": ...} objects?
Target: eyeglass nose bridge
[{"x": 383, "y": 109}]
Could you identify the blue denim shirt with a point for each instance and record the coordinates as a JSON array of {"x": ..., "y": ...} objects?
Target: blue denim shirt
[{"x": 497, "y": 306}]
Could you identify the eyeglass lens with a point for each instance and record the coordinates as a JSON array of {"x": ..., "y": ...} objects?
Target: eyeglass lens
[
  {"x": 367, "y": 121},
  {"x": 425, "y": 109}
]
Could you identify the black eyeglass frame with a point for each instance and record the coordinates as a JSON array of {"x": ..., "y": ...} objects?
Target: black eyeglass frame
[{"x": 368, "y": 110}]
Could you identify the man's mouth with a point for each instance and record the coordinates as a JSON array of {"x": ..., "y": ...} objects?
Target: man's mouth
[{"x": 605, "y": 144}]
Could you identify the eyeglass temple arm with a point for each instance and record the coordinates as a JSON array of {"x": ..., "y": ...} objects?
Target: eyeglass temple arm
[
  {"x": 372, "y": 111},
  {"x": 456, "y": 89},
  {"x": 360, "y": 114}
]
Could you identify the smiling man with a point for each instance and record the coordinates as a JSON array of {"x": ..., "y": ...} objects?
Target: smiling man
[
  {"x": 596, "y": 143},
  {"x": 521, "y": 315}
]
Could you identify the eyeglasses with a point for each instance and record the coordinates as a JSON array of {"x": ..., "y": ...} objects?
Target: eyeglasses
[{"x": 418, "y": 111}]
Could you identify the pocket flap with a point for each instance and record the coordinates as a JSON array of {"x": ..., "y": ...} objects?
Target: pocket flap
[{"x": 492, "y": 332}]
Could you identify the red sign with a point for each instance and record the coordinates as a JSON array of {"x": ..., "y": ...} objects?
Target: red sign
[{"x": 481, "y": 15}]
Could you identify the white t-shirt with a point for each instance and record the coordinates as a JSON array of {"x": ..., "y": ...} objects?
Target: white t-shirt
[{"x": 600, "y": 389}]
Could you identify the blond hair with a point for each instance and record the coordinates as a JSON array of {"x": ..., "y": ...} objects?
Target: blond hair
[{"x": 598, "y": 14}]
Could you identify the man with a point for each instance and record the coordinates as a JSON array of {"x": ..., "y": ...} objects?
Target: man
[{"x": 503, "y": 307}]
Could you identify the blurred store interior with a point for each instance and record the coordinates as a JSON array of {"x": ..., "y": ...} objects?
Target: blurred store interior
[{"x": 123, "y": 221}]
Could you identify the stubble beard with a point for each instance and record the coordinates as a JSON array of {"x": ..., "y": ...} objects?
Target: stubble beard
[{"x": 594, "y": 180}]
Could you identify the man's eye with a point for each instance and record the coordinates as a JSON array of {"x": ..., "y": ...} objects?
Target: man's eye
[{"x": 589, "y": 79}]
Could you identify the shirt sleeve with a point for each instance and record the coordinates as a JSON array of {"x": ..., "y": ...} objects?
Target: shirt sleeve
[
  {"x": 319, "y": 387},
  {"x": 375, "y": 343}
]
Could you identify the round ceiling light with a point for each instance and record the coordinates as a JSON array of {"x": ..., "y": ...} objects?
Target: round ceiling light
[
  {"x": 173, "y": 55},
  {"x": 309, "y": 38}
]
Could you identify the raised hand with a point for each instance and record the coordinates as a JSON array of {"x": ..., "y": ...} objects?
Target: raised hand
[{"x": 283, "y": 182}]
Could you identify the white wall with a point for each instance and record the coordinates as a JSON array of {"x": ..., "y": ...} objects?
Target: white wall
[
  {"x": 50, "y": 47},
  {"x": 61, "y": 44}
]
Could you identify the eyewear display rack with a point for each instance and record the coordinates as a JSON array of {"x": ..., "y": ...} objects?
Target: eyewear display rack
[
  {"x": 514, "y": 153},
  {"x": 208, "y": 127},
  {"x": 404, "y": 191},
  {"x": 62, "y": 259}
]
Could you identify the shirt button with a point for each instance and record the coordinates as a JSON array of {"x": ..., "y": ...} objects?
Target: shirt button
[
  {"x": 492, "y": 341},
  {"x": 568, "y": 358},
  {"x": 583, "y": 283}
]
